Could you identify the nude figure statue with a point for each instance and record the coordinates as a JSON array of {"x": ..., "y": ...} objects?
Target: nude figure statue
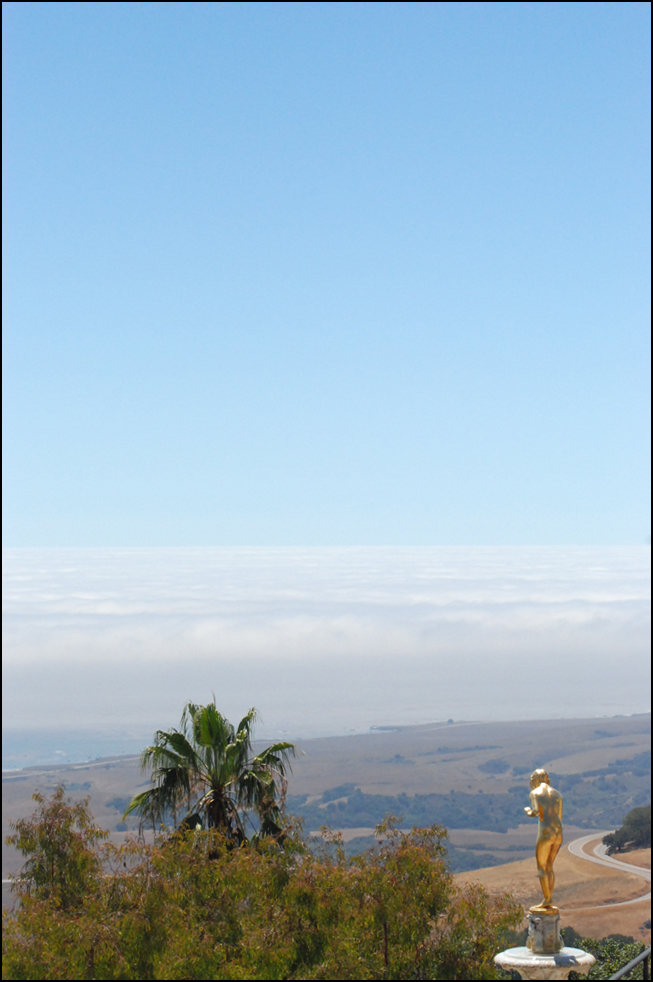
[{"x": 546, "y": 805}]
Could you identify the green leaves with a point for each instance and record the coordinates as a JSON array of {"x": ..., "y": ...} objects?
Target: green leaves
[
  {"x": 635, "y": 832},
  {"x": 59, "y": 842},
  {"x": 193, "y": 906},
  {"x": 208, "y": 765}
]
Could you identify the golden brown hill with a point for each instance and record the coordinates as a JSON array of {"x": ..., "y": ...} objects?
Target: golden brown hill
[{"x": 580, "y": 886}]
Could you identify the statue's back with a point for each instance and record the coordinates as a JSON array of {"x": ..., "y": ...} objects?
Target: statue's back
[{"x": 551, "y": 801}]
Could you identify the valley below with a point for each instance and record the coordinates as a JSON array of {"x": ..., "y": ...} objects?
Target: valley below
[{"x": 471, "y": 777}]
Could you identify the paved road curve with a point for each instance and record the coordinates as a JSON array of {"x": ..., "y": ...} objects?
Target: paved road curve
[{"x": 600, "y": 856}]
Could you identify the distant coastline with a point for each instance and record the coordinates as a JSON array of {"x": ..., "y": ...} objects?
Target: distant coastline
[
  {"x": 35, "y": 750},
  {"x": 103, "y": 646}
]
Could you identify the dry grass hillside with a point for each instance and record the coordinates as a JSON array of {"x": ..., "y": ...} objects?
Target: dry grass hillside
[
  {"x": 580, "y": 885},
  {"x": 484, "y": 766}
]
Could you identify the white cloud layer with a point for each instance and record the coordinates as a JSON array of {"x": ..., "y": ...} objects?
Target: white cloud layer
[{"x": 323, "y": 640}]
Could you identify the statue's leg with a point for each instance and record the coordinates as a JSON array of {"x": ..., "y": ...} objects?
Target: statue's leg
[
  {"x": 542, "y": 857},
  {"x": 554, "y": 848},
  {"x": 550, "y": 883}
]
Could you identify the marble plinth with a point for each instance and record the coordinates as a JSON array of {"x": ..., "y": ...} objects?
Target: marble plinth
[
  {"x": 544, "y": 931},
  {"x": 554, "y": 966}
]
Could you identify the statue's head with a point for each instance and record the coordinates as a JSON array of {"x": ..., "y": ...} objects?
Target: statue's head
[{"x": 538, "y": 777}]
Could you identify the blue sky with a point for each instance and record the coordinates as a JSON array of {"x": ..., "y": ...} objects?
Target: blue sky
[{"x": 326, "y": 273}]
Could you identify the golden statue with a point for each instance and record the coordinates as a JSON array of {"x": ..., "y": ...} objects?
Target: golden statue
[{"x": 546, "y": 805}]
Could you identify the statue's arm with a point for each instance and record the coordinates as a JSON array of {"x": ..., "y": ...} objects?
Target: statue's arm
[{"x": 534, "y": 810}]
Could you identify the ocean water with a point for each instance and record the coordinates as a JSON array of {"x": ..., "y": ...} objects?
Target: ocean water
[{"x": 102, "y": 646}]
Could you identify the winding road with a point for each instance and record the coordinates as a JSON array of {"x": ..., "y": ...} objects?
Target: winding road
[{"x": 576, "y": 848}]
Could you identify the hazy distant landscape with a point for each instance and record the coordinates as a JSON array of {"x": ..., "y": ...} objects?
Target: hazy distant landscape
[
  {"x": 470, "y": 777},
  {"x": 376, "y": 661},
  {"x": 105, "y": 645}
]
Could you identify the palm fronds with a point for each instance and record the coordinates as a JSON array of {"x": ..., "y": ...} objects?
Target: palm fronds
[{"x": 206, "y": 757}]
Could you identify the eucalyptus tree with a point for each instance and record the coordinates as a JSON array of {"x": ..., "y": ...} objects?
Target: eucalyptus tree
[{"x": 207, "y": 767}]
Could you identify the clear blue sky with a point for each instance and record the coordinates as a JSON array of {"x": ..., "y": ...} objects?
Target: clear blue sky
[{"x": 326, "y": 273}]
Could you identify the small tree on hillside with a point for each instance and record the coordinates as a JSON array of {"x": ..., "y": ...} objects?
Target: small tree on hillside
[
  {"x": 59, "y": 840},
  {"x": 635, "y": 832}
]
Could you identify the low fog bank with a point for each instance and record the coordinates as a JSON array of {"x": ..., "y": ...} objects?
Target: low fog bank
[{"x": 322, "y": 641}]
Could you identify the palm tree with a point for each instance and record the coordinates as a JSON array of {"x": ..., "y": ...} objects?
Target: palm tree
[{"x": 207, "y": 766}]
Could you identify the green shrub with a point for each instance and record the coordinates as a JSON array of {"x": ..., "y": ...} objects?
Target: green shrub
[
  {"x": 194, "y": 905},
  {"x": 611, "y": 954}
]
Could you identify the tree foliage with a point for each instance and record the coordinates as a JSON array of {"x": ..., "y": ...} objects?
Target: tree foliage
[
  {"x": 207, "y": 768},
  {"x": 59, "y": 842},
  {"x": 195, "y": 906},
  {"x": 635, "y": 833},
  {"x": 611, "y": 954}
]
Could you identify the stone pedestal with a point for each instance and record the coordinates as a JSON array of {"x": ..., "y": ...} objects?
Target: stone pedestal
[
  {"x": 544, "y": 956},
  {"x": 544, "y": 931},
  {"x": 557, "y": 966}
]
